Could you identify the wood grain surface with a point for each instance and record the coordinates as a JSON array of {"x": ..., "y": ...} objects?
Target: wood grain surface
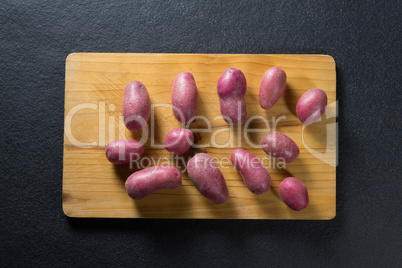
[{"x": 93, "y": 187}]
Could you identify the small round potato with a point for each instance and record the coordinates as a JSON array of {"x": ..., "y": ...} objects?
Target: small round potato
[
  {"x": 311, "y": 106},
  {"x": 231, "y": 88},
  {"x": 254, "y": 174},
  {"x": 179, "y": 140},
  {"x": 280, "y": 146},
  {"x": 123, "y": 151},
  {"x": 136, "y": 106},
  {"x": 207, "y": 178},
  {"x": 294, "y": 193},
  {"x": 272, "y": 86},
  {"x": 142, "y": 183}
]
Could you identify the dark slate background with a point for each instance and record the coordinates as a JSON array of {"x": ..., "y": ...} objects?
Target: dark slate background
[{"x": 364, "y": 37}]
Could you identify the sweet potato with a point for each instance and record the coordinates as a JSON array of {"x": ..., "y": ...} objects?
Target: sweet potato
[
  {"x": 142, "y": 183},
  {"x": 280, "y": 146},
  {"x": 311, "y": 106},
  {"x": 136, "y": 106},
  {"x": 179, "y": 140},
  {"x": 254, "y": 174},
  {"x": 294, "y": 193},
  {"x": 231, "y": 89},
  {"x": 272, "y": 86},
  {"x": 123, "y": 151},
  {"x": 184, "y": 97},
  {"x": 207, "y": 178}
]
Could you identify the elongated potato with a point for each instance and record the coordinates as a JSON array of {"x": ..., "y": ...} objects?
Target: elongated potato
[
  {"x": 311, "y": 106},
  {"x": 179, "y": 140},
  {"x": 184, "y": 97},
  {"x": 207, "y": 178},
  {"x": 123, "y": 151},
  {"x": 294, "y": 193},
  {"x": 254, "y": 174},
  {"x": 231, "y": 88},
  {"x": 280, "y": 146},
  {"x": 136, "y": 106},
  {"x": 142, "y": 183},
  {"x": 272, "y": 86}
]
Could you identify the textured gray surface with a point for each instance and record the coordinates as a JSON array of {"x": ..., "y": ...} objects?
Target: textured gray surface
[{"x": 362, "y": 36}]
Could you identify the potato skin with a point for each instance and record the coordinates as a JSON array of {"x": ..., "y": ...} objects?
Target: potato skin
[
  {"x": 207, "y": 178},
  {"x": 280, "y": 146},
  {"x": 179, "y": 140},
  {"x": 311, "y": 106},
  {"x": 185, "y": 97},
  {"x": 142, "y": 183},
  {"x": 272, "y": 86},
  {"x": 231, "y": 89},
  {"x": 254, "y": 174},
  {"x": 120, "y": 151},
  {"x": 136, "y": 106},
  {"x": 294, "y": 193}
]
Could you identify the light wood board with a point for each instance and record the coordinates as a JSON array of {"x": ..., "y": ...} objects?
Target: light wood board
[{"x": 93, "y": 187}]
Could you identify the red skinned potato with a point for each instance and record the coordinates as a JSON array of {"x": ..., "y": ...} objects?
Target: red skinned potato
[
  {"x": 272, "y": 86},
  {"x": 142, "y": 183},
  {"x": 280, "y": 146},
  {"x": 184, "y": 97},
  {"x": 179, "y": 140},
  {"x": 311, "y": 106},
  {"x": 254, "y": 174},
  {"x": 231, "y": 88},
  {"x": 207, "y": 178},
  {"x": 294, "y": 193},
  {"x": 136, "y": 106},
  {"x": 123, "y": 151}
]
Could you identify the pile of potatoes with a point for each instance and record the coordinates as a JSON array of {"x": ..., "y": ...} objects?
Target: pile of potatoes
[{"x": 202, "y": 169}]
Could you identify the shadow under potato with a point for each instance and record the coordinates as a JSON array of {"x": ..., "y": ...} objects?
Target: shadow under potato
[
  {"x": 180, "y": 161},
  {"x": 291, "y": 98},
  {"x": 165, "y": 203},
  {"x": 123, "y": 171},
  {"x": 219, "y": 211},
  {"x": 254, "y": 138}
]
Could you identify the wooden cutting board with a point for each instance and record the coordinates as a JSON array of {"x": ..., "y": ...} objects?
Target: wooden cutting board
[{"x": 93, "y": 187}]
